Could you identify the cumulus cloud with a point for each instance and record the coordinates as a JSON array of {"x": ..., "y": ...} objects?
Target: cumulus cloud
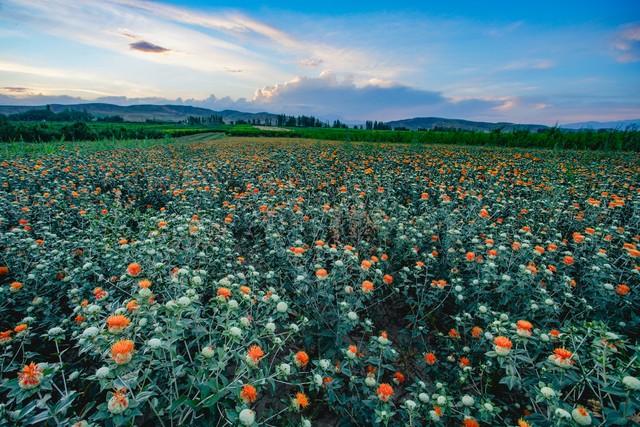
[
  {"x": 328, "y": 94},
  {"x": 627, "y": 43},
  {"x": 144, "y": 46}
]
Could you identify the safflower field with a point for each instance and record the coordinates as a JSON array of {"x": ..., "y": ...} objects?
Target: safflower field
[{"x": 255, "y": 281}]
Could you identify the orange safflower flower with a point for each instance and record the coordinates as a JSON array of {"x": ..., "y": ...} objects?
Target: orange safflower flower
[
  {"x": 248, "y": 393},
  {"x": 440, "y": 283},
  {"x": 387, "y": 279},
  {"x": 476, "y": 331},
  {"x": 301, "y": 359},
  {"x": 300, "y": 401},
  {"x": 134, "y": 269},
  {"x": 223, "y": 293},
  {"x": 577, "y": 237},
  {"x": 398, "y": 377},
  {"x": 122, "y": 351},
  {"x": 384, "y": 392},
  {"x": 367, "y": 286},
  {"x": 430, "y": 358},
  {"x": 562, "y": 357},
  {"x": 568, "y": 260},
  {"x": 321, "y": 273},
  {"x": 470, "y": 422},
  {"x": 502, "y": 345},
  {"x": 30, "y": 376},
  {"x": 5, "y": 336},
  {"x": 353, "y": 349},
  {"x": 524, "y": 327},
  {"x": 119, "y": 402},
  {"x": 623, "y": 289},
  {"x": 117, "y": 323},
  {"x": 21, "y": 327},
  {"x": 254, "y": 354}
]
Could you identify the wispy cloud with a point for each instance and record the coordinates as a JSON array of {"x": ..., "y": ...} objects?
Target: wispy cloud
[
  {"x": 505, "y": 30},
  {"x": 627, "y": 43},
  {"x": 14, "y": 89},
  {"x": 203, "y": 41},
  {"x": 529, "y": 64},
  {"x": 19, "y": 68}
]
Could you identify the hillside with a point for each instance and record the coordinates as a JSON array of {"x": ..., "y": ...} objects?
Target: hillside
[
  {"x": 140, "y": 113},
  {"x": 439, "y": 122}
]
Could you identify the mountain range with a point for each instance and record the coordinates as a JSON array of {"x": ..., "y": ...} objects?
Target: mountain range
[
  {"x": 459, "y": 124},
  {"x": 142, "y": 112},
  {"x": 617, "y": 124},
  {"x": 176, "y": 113}
]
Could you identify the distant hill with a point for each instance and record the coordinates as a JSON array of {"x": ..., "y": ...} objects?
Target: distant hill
[
  {"x": 441, "y": 123},
  {"x": 618, "y": 124},
  {"x": 140, "y": 113},
  {"x": 177, "y": 113}
]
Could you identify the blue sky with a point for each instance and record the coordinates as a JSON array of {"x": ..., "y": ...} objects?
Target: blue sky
[{"x": 559, "y": 61}]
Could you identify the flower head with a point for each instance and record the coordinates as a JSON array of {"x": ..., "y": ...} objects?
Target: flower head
[
  {"x": 301, "y": 359},
  {"x": 581, "y": 416},
  {"x": 300, "y": 401},
  {"x": 248, "y": 393},
  {"x": 223, "y": 293},
  {"x": 384, "y": 392},
  {"x": 134, "y": 269},
  {"x": 502, "y": 345},
  {"x": 247, "y": 417},
  {"x": 117, "y": 323},
  {"x": 30, "y": 376},
  {"x": 524, "y": 328},
  {"x": 122, "y": 351},
  {"x": 562, "y": 357},
  {"x": 254, "y": 354},
  {"x": 119, "y": 402}
]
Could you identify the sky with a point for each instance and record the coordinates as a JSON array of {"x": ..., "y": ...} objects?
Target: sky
[{"x": 544, "y": 62}]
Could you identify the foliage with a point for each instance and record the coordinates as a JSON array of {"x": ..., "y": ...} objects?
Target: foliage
[
  {"x": 281, "y": 282},
  {"x": 39, "y": 132},
  {"x": 553, "y": 138}
]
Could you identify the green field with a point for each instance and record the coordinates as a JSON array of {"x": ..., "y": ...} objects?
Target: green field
[{"x": 553, "y": 138}]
